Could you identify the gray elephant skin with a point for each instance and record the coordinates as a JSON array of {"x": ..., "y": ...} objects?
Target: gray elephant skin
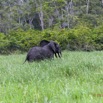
[
  {"x": 46, "y": 50},
  {"x": 58, "y": 49}
]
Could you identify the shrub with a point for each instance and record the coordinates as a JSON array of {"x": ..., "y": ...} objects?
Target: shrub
[
  {"x": 98, "y": 37},
  {"x": 3, "y": 43},
  {"x": 80, "y": 38},
  {"x": 23, "y": 40}
]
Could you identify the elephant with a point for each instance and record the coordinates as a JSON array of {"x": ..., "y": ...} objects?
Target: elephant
[
  {"x": 58, "y": 49},
  {"x": 42, "y": 52}
]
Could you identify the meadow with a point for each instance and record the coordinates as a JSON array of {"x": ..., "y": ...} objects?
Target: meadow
[{"x": 75, "y": 78}]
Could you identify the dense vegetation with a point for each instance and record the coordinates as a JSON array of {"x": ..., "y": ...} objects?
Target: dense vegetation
[
  {"x": 41, "y": 14},
  {"x": 75, "y": 78},
  {"x": 75, "y": 24},
  {"x": 79, "y": 38}
]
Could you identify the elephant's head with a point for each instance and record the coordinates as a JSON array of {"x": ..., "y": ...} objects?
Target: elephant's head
[{"x": 54, "y": 46}]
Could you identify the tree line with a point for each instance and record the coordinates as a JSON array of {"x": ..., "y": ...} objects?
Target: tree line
[
  {"x": 74, "y": 24},
  {"x": 42, "y": 14}
]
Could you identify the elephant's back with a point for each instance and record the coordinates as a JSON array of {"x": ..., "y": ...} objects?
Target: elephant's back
[
  {"x": 35, "y": 53},
  {"x": 34, "y": 50}
]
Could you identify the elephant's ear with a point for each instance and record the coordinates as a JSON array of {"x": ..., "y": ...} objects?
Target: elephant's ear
[
  {"x": 43, "y": 43},
  {"x": 53, "y": 46}
]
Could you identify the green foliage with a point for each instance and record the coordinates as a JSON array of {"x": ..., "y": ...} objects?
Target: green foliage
[
  {"x": 98, "y": 37},
  {"x": 81, "y": 37},
  {"x": 3, "y": 43},
  {"x": 23, "y": 40},
  {"x": 21, "y": 13}
]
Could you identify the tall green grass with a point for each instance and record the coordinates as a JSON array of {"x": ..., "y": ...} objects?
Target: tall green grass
[{"x": 75, "y": 78}]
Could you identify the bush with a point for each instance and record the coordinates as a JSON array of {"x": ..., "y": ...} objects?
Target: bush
[
  {"x": 23, "y": 40},
  {"x": 98, "y": 37},
  {"x": 60, "y": 36},
  {"x": 3, "y": 43},
  {"x": 80, "y": 38}
]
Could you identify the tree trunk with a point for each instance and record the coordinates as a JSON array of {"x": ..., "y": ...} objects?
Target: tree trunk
[
  {"x": 50, "y": 21},
  {"x": 87, "y": 8},
  {"x": 40, "y": 13},
  {"x": 67, "y": 13},
  {"x": 41, "y": 18}
]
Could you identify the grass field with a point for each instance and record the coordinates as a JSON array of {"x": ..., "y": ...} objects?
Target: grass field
[{"x": 75, "y": 78}]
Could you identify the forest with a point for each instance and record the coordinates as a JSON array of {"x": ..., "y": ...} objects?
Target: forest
[{"x": 75, "y": 24}]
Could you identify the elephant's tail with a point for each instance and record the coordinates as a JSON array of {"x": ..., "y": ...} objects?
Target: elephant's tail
[{"x": 24, "y": 61}]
